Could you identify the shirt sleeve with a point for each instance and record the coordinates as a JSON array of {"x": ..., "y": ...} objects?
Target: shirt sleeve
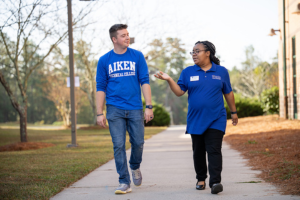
[
  {"x": 143, "y": 73},
  {"x": 101, "y": 76},
  {"x": 182, "y": 82},
  {"x": 226, "y": 83}
]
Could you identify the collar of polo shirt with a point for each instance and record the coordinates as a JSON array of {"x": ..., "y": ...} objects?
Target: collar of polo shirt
[{"x": 212, "y": 69}]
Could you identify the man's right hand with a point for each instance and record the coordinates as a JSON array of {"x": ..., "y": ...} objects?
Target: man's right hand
[{"x": 101, "y": 121}]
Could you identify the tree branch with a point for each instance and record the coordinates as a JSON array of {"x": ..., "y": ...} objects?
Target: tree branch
[{"x": 48, "y": 53}]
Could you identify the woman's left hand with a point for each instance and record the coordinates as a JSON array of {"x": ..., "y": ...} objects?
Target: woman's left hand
[{"x": 234, "y": 119}]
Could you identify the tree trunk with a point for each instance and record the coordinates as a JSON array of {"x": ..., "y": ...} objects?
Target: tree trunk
[
  {"x": 18, "y": 107},
  {"x": 67, "y": 116},
  {"x": 64, "y": 119},
  {"x": 23, "y": 125},
  {"x": 94, "y": 107},
  {"x": 91, "y": 94}
]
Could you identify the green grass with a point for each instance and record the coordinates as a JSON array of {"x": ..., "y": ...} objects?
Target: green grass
[
  {"x": 252, "y": 142},
  {"x": 286, "y": 169},
  {"x": 39, "y": 174},
  {"x": 250, "y": 182},
  {"x": 17, "y": 124},
  {"x": 267, "y": 153}
]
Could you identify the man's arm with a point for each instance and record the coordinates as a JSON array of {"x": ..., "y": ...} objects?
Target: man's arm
[
  {"x": 147, "y": 95},
  {"x": 231, "y": 104},
  {"x": 100, "y": 97}
]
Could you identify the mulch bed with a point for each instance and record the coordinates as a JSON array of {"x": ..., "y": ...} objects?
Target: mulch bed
[
  {"x": 271, "y": 145},
  {"x": 20, "y": 146}
]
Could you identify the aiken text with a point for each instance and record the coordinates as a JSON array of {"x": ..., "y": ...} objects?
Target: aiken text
[{"x": 120, "y": 66}]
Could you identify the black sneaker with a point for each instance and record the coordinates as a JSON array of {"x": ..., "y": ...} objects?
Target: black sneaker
[{"x": 216, "y": 188}]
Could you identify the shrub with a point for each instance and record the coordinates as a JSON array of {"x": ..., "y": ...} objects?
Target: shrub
[
  {"x": 161, "y": 116},
  {"x": 58, "y": 123},
  {"x": 39, "y": 122},
  {"x": 270, "y": 100},
  {"x": 246, "y": 107}
]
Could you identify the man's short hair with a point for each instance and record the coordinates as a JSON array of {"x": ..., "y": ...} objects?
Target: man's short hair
[{"x": 113, "y": 30}]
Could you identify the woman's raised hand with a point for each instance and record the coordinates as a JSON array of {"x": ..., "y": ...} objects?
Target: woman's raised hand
[
  {"x": 174, "y": 87},
  {"x": 161, "y": 75}
]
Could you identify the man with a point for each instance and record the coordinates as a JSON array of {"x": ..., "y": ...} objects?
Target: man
[{"x": 120, "y": 72}]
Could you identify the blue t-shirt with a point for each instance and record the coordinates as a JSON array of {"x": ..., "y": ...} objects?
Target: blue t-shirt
[
  {"x": 120, "y": 77},
  {"x": 205, "y": 97}
]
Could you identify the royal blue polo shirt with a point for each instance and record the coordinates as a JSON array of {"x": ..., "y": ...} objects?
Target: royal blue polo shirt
[
  {"x": 205, "y": 97},
  {"x": 121, "y": 76}
]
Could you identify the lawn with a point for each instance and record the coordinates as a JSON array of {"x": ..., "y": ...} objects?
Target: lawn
[
  {"x": 271, "y": 145},
  {"x": 41, "y": 173}
]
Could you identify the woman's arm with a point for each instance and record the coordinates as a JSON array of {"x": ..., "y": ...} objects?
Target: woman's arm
[
  {"x": 231, "y": 104},
  {"x": 173, "y": 85}
]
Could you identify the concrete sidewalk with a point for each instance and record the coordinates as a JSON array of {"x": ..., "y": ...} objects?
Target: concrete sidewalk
[{"x": 168, "y": 173}]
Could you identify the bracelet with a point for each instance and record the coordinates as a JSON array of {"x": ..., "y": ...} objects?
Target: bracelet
[
  {"x": 234, "y": 112},
  {"x": 99, "y": 115}
]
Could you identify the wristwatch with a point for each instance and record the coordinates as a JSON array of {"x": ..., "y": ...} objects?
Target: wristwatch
[
  {"x": 234, "y": 112},
  {"x": 149, "y": 106}
]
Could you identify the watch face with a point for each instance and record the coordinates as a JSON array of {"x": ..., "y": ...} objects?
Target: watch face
[{"x": 149, "y": 106}]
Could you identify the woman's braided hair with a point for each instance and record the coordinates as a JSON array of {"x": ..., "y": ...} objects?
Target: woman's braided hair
[{"x": 210, "y": 47}]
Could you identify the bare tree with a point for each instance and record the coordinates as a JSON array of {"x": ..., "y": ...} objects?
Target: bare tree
[
  {"x": 25, "y": 21},
  {"x": 86, "y": 68},
  {"x": 60, "y": 95},
  {"x": 251, "y": 79},
  {"x": 167, "y": 56}
]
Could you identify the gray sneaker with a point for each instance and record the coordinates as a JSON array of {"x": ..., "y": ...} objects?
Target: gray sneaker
[
  {"x": 123, "y": 189},
  {"x": 137, "y": 177}
]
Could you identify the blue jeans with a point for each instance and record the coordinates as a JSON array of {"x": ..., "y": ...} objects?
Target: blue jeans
[{"x": 119, "y": 121}]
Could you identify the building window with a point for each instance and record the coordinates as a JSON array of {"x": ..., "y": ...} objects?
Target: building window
[{"x": 294, "y": 77}]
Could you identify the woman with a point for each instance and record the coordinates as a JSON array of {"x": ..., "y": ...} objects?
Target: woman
[{"x": 206, "y": 83}]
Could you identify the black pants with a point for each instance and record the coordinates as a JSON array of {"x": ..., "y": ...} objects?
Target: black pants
[{"x": 211, "y": 142}]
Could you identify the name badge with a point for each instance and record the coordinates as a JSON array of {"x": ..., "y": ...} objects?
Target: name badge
[
  {"x": 194, "y": 78},
  {"x": 216, "y": 77}
]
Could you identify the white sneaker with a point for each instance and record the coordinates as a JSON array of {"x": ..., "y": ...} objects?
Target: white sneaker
[
  {"x": 137, "y": 177},
  {"x": 123, "y": 189}
]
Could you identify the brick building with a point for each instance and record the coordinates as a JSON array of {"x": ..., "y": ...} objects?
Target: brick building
[{"x": 289, "y": 72}]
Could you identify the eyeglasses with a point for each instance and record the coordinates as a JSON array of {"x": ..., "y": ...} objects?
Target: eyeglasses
[{"x": 196, "y": 52}]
